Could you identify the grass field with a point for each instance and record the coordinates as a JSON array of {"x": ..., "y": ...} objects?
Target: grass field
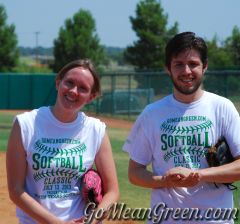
[{"x": 134, "y": 196}]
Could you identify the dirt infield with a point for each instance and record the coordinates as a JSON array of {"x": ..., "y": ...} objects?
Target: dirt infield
[
  {"x": 116, "y": 123},
  {"x": 7, "y": 208}
]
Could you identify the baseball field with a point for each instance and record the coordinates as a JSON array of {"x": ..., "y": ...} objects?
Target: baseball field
[{"x": 134, "y": 197}]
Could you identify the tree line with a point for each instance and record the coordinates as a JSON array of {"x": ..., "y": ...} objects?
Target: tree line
[{"x": 78, "y": 38}]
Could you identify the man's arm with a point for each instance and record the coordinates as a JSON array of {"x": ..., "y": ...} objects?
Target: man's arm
[
  {"x": 222, "y": 174},
  {"x": 139, "y": 175}
]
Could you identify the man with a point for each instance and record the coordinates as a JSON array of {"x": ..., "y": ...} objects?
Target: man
[{"x": 173, "y": 134}]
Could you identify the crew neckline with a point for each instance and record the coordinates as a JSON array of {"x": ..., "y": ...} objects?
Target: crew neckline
[
  {"x": 188, "y": 105},
  {"x": 77, "y": 121}
]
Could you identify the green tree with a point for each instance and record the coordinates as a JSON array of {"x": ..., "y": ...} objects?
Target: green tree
[
  {"x": 221, "y": 57},
  {"x": 218, "y": 57},
  {"x": 77, "y": 39},
  {"x": 8, "y": 51},
  {"x": 150, "y": 25},
  {"x": 233, "y": 46}
]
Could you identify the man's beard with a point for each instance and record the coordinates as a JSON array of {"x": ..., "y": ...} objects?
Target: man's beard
[{"x": 185, "y": 90}]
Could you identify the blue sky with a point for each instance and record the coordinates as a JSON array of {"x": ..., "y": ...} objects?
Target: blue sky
[{"x": 205, "y": 17}]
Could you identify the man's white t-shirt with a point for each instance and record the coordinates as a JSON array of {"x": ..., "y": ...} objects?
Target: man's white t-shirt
[
  {"x": 169, "y": 134},
  {"x": 58, "y": 154}
]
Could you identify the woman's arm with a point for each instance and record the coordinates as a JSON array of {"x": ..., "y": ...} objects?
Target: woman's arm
[
  {"x": 16, "y": 172},
  {"x": 106, "y": 167}
]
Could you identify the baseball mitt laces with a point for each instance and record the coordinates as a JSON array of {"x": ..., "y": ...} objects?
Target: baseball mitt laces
[
  {"x": 92, "y": 190},
  {"x": 218, "y": 155}
]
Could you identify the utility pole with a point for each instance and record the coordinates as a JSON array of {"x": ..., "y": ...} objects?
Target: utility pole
[{"x": 36, "y": 49}]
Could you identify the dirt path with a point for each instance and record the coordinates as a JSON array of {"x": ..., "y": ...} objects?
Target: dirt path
[
  {"x": 7, "y": 208},
  {"x": 115, "y": 123}
]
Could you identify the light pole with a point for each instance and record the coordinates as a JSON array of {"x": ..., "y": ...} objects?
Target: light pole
[{"x": 36, "y": 49}]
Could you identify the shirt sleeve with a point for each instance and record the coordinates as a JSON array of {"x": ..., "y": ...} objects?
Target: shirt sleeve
[{"x": 137, "y": 144}]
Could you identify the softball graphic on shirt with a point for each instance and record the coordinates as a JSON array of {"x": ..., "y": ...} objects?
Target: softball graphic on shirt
[{"x": 184, "y": 139}]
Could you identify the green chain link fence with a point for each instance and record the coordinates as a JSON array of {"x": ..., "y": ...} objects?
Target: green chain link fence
[{"x": 122, "y": 92}]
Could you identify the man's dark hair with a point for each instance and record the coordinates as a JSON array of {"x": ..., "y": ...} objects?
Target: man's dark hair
[{"x": 184, "y": 41}]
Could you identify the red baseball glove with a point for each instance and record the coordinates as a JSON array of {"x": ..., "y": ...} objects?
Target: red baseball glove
[{"x": 92, "y": 190}]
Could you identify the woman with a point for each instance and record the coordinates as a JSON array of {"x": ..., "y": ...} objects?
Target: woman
[{"x": 50, "y": 148}]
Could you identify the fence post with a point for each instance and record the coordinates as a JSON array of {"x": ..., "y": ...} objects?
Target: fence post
[
  {"x": 226, "y": 84},
  {"x": 8, "y": 92},
  {"x": 31, "y": 90},
  {"x": 148, "y": 86},
  {"x": 113, "y": 86},
  {"x": 129, "y": 94}
]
